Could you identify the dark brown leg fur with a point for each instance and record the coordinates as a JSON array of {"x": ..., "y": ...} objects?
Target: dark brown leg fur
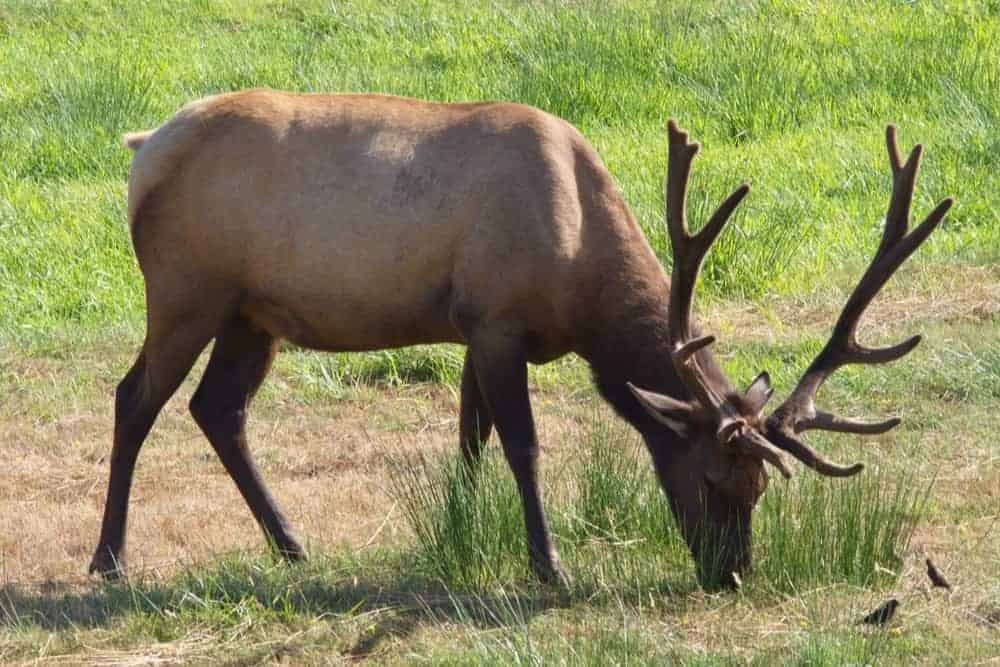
[
  {"x": 475, "y": 421},
  {"x": 239, "y": 363},
  {"x": 165, "y": 359},
  {"x": 501, "y": 368}
]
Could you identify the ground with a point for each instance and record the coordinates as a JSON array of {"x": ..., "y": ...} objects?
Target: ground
[{"x": 358, "y": 449}]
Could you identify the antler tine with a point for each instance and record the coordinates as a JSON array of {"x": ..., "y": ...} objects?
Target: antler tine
[
  {"x": 798, "y": 412},
  {"x": 680, "y": 155},
  {"x": 689, "y": 251},
  {"x": 801, "y": 450},
  {"x": 895, "y": 160},
  {"x": 904, "y": 178},
  {"x": 765, "y": 450},
  {"x": 826, "y": 421},
  {"x": 881, "y": 269}
]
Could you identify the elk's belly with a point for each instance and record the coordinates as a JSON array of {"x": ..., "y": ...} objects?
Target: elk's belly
[
  {"x": 348, "y": 278},
  {"x": 339, "y": 320}
]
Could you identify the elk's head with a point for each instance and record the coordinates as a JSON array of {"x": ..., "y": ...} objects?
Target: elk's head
[{"x": 716, "y": 481}]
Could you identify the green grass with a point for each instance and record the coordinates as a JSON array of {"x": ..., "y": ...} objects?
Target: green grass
[
  {"x": 616, "y": 533},
  {"x": 241, "y": 603},
  {"x": 818, "y": 531},
  {"x": 790, "y": 95},
  {"x": 607, "y": 511}
]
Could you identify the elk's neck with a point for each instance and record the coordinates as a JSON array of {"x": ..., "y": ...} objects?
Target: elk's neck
[
  {"x": 624, "y": 321},
  {"x": 629, "y": 343}
]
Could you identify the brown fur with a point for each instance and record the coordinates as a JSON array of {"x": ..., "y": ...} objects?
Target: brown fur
[
  {"x": 465, "y": 207},
  {"x": 360, "y": 222}
]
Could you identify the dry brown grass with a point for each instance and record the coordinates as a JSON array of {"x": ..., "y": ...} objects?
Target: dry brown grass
[{"x": 330, "y": 474}]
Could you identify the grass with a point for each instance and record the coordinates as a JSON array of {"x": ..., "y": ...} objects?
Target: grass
[
  {"x": 408, "y": 565},
  {"x": 471, "y": 535},
  {"x": 787, "y": 95},
  {"x": 817, "y": 532},
  {"x": 613, "y": 525}
]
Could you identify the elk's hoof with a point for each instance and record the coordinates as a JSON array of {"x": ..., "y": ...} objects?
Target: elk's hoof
[
  {"x": 552, "y": 574},
  {"x": 291, "y": 551},
  {"x": 106, "y": 566}
]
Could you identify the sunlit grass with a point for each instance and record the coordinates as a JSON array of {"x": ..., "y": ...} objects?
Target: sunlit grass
[
  {"x": 821, "y": 531},
  {"x": 788, "y": 96},
  {"x": 615, "y": 530}
]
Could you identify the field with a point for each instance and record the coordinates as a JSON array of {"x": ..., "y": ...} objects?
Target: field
[{"x": 360, "y": 450}]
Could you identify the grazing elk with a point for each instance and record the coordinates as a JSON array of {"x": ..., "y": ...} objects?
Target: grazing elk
[{"x": 360, "y": 222}]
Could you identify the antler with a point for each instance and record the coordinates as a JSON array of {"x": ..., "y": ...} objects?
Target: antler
[
  {"x": 689, "y": 251},
  {"x": 798, "y": 413}
]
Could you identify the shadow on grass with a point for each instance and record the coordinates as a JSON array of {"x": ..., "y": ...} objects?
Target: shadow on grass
[
  {"x": 365, "y": 603},
  {"x": 232, "y": 591}
]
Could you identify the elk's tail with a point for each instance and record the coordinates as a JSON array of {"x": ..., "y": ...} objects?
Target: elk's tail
[{"x": 135, "y": 140}]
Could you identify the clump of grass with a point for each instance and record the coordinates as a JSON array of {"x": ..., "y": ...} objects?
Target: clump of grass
[
  {"x": 616, "y": 533},
  {"x": 820, "y": 531},
  {"x": 613, "y": 498},
  {"x": 469, "y": 528},
  {"x": 620, "y": 537},
  {"x": 611, "y": 522}
]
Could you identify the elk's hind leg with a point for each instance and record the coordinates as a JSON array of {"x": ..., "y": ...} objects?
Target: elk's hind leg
[
  {"x": 169, "y": 351},
  {"x": 240, "y": 360}
]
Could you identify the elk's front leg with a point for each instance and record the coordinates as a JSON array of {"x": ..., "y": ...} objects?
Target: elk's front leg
[
  {"x": 502, "y": 371},
  {"x": 475, "y": 420}
]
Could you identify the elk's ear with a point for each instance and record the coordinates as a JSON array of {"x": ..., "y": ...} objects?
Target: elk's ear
[
  {"x": 672, "y": 413},
  {"x": 758, "y": 393}
]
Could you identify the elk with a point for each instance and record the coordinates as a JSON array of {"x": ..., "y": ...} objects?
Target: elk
[{"x": 358, "y": 222}]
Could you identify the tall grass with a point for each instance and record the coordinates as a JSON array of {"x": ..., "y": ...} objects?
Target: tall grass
[
  {"x": 616, "y": 498},
  {"x": 613, "y": 524},
  {"x": 854, "y": 531},
  {"x": 470, "y": 531}
]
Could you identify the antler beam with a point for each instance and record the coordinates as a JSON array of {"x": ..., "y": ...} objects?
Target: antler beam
[
  {"x": 689, "y": 252},
  {"x": 798, "y": 413}
]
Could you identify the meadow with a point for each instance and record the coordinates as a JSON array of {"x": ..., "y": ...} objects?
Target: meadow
[{"x": 360, "y": 450}]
